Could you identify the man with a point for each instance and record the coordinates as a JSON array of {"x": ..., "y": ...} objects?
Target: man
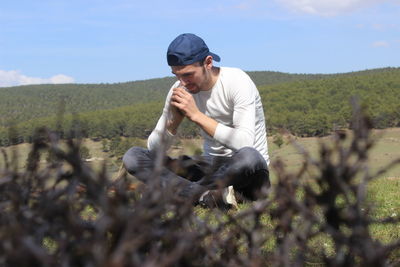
[{"x": 226, "y": 105}]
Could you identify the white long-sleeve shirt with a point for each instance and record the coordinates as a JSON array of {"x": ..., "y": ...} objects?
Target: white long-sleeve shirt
[{"x": 235, "y": 103}]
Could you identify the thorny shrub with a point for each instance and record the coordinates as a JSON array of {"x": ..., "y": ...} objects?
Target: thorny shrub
[{"x": 66, "y": 214}]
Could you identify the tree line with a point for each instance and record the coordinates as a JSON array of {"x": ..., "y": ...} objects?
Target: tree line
[
  {"x": 312, "y": 106},
  {"x": 23, "y": 103}
]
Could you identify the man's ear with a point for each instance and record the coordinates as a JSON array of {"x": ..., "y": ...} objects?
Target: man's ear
[{"x": 208, "y": 62}]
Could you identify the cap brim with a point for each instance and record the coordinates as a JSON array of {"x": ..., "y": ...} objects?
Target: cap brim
[{"x": 215, "y": 57}]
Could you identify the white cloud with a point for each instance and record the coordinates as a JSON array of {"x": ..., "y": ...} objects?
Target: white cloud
[
  {"x": 380, "y": 44},
  {"x": 14, "y": 78},
  {"x": 326, "y": 7}
]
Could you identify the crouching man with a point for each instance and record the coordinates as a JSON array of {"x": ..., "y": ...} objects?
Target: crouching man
[{"x": 225, "y": 103}]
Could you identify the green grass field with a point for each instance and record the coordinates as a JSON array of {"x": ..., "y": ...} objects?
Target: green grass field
[
  {"x": 385, "y": 150},
  {"x": 383, "y": 192}
]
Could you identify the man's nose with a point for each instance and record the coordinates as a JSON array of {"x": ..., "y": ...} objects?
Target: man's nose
[{"x": 184, "y": 82}]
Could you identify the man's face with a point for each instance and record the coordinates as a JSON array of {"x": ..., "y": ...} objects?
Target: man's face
[{"x": 194, "y": 77}]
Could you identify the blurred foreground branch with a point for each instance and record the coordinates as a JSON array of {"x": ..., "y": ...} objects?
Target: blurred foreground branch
[{"x": 46, "y": 219}]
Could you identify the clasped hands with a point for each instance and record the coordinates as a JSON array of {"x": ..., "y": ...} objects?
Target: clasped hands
[{"x": 184, "y": 102}]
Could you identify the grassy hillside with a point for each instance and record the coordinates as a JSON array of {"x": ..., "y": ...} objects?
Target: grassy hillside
[{"x": 385, "y": 150}]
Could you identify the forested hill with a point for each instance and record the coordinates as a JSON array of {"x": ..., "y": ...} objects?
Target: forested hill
[
  {"x": 307, "y": 105},
  {"x": 270, "y": 77},
  {"x": 315, "y": 108},
  {"x": 24, "y": 103}
]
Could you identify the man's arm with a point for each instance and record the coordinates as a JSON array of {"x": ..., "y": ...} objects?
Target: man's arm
[
  {"x": 175, "y": 120},
  {"x": 241, "y": 133},
  {"x": 243, "y": 130},
  {"x": 166, "y": 126}
]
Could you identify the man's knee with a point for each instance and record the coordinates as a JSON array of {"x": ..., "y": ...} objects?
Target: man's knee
[
  {"x": 258, "y": 182},
  {"x": 249, "y": 157},
  {"x": 135, "y": 159}
]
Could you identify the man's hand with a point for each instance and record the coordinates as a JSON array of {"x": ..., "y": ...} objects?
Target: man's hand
[
  {"x": 184, "y": 102},
  {"x": 176, "y": 119}
]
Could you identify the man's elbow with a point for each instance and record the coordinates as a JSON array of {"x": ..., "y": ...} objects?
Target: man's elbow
[
  {"x": 245, "y": 139},
  {"x": 152, "y": 140}
]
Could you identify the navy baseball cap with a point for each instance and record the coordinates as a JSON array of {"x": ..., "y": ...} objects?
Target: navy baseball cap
[{"x": 187, "y": 49}]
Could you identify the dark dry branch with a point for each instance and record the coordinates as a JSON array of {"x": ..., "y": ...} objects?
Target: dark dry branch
[{"x": 65, "y": 214}]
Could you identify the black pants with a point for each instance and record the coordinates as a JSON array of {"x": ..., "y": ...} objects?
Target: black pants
[{"x": 246, "y": 171}]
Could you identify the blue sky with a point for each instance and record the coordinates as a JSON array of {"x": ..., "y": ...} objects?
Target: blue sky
[{"x": 99, "y": 41}]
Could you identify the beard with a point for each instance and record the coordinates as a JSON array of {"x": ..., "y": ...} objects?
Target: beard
[{"x": 203, "y": 85}]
